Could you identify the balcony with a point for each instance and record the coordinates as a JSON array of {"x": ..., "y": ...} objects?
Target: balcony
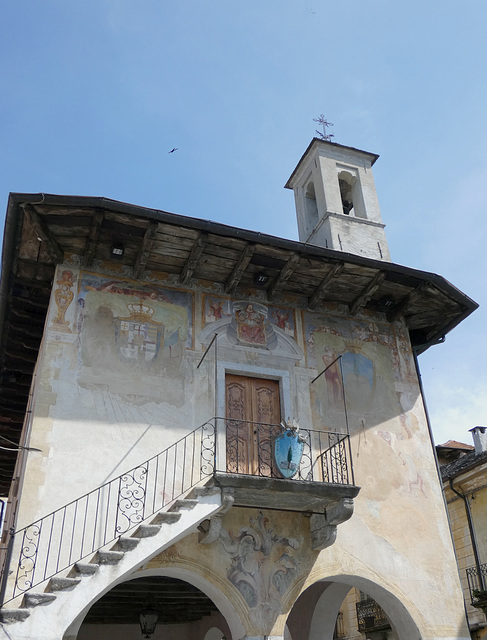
[
  {"x": 477, "y": 584},
  {"x": 264, "y": 471},
  {"x": 371, "y": 617}
]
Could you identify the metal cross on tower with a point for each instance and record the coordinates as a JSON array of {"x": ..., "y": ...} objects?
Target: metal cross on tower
[{"x": 324, "y": 123}]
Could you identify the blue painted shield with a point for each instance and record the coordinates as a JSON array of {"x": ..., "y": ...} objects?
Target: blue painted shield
[{"x": 288, "y": 449}]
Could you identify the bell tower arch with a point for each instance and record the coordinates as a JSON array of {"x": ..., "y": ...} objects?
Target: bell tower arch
[{"x": 336, "y": 200}]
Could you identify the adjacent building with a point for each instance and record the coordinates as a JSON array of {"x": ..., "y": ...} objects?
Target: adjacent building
[
  {"x": 464, "y": 475},
  {"x": 220, "y": 430}
]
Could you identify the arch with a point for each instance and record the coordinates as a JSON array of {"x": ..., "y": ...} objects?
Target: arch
[
  {"x": 214, "y": 633},
  {"x": 223, "y": 604},
  {"x": 351, "y": 193},
  {"x": 346, "y": 182},
  {"x": 326, "y": 610},
  {"x": 311, "y": 205},
  {"x": 326, "y": 606}
]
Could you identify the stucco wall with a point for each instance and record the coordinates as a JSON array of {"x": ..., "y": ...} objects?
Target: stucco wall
[{"x": 117, "y": 382}]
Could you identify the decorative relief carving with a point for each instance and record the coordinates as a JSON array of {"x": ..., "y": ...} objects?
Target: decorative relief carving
[
  {"x": 323, "y": 528},
  {"x": 210, "y": 530},
  {"x": 263, "y": 564}
]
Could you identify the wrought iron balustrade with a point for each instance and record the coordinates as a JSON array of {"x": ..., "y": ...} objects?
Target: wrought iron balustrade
[
  {"x": 73, "y": 532},
  {"x": 250, "y": 446},
  {"x": 477, "y": 584},
  {"x": 371, "y": 616}
]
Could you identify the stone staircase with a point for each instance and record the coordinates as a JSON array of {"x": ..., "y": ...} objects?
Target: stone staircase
[{"x": 63, "y": 597}]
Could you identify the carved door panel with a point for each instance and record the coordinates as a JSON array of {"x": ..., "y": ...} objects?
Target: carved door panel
[{"x": 253, "y": 413}]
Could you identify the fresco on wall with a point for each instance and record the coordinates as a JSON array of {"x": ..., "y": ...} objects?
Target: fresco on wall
[
  {"x": 216, "y": 309},
  {"x": 250, "y": 324},
  {"x": 356, "y": 359},
  {"x": 61, "y": 319},
  {"x": 63, "y": 296},
  {"x": 131, "y": 331}
]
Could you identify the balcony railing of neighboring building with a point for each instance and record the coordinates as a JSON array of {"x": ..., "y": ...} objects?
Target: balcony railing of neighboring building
[
  {"x": 371, "y": 617},
  {"x": 477, "y": 584},
  {"x": 73, "y": 532}
]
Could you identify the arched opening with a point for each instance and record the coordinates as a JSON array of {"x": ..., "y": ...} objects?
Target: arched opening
[
  {"x": 184, "y": 612},
  {"x": 311, "y": 207},
  {"x": 350, "y": 607},
  {"x": 214, "y": 633},
  {"x": 351, "y": 195},
  {"x": 345, "y": 180}
]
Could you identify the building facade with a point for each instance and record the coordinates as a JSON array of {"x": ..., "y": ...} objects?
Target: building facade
[
  {"x": 464, "y": 475},
  {"x": 223, "y": 427}
]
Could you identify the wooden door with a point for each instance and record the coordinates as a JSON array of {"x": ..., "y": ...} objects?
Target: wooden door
[{"x": 252, "y": 417}]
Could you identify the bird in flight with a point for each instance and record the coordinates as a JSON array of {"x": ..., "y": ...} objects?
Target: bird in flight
[{"x": 173, "y": 150}]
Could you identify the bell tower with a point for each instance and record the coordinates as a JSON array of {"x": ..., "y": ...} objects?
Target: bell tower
[{"x": 336, "y": 200}]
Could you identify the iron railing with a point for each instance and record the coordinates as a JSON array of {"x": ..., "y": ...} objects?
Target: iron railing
[
  {"x": 73, "y": 532},
  {"x": 477, "y": 584},
  {"x": 326, "y": 456},
  {"x": 371, "y": 616}
]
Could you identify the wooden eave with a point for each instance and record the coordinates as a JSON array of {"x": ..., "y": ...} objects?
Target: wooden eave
[{"x": 41, "y": 228}]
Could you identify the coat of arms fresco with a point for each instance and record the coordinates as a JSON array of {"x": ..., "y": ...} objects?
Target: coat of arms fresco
[
  {"x": 138, "y": 336},
  {"x": 132, "y": 331}
]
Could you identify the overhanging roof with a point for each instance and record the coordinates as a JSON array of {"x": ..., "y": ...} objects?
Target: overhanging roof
[{"x": 41, "y": 229}]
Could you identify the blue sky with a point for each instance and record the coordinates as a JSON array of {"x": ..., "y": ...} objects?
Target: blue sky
[{"x": 95, "y": 94}]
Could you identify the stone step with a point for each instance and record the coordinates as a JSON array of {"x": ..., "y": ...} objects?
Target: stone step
[
  {"x": 109, "y": 557},
  {"x": 205, "y": 490},
  {"x": 61, "y": 584},
  {"x": 166, "y": 517},
  {"x": 84, "y": 569},
  {"x": 36, "y": 599},
  {"x": 183, "y": 503},
  {"x": 9, "y": 616},
  {"x": 183, "y": 521},
  {"x": 125, "y": 544},
  {"x": 147, "y": 530}
]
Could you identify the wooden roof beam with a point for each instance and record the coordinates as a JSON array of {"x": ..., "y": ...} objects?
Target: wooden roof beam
[
  {"x": 362, "y": 299},
  {"x": 43, "y": 233},
  {"x": 193, "y": 258},
  {"x": 32, "y": 273},
  {"x": 239, "y": 268},
  {"x": 284, "y": 275},
  {"x": 145, "y": 248},
  {"x": 401, "y": 306},
  {"x": 320, "y": 291},
  {"x": 93, "y": 235},
  {"x": 15, "y": 356}
]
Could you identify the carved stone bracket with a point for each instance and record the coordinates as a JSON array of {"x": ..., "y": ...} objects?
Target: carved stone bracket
[
  {"x": 323, "y": 528},
  {"x": 209, "y": 530}
]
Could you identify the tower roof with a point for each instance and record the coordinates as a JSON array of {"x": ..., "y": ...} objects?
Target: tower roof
[{"x": 317, "y": 143}]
